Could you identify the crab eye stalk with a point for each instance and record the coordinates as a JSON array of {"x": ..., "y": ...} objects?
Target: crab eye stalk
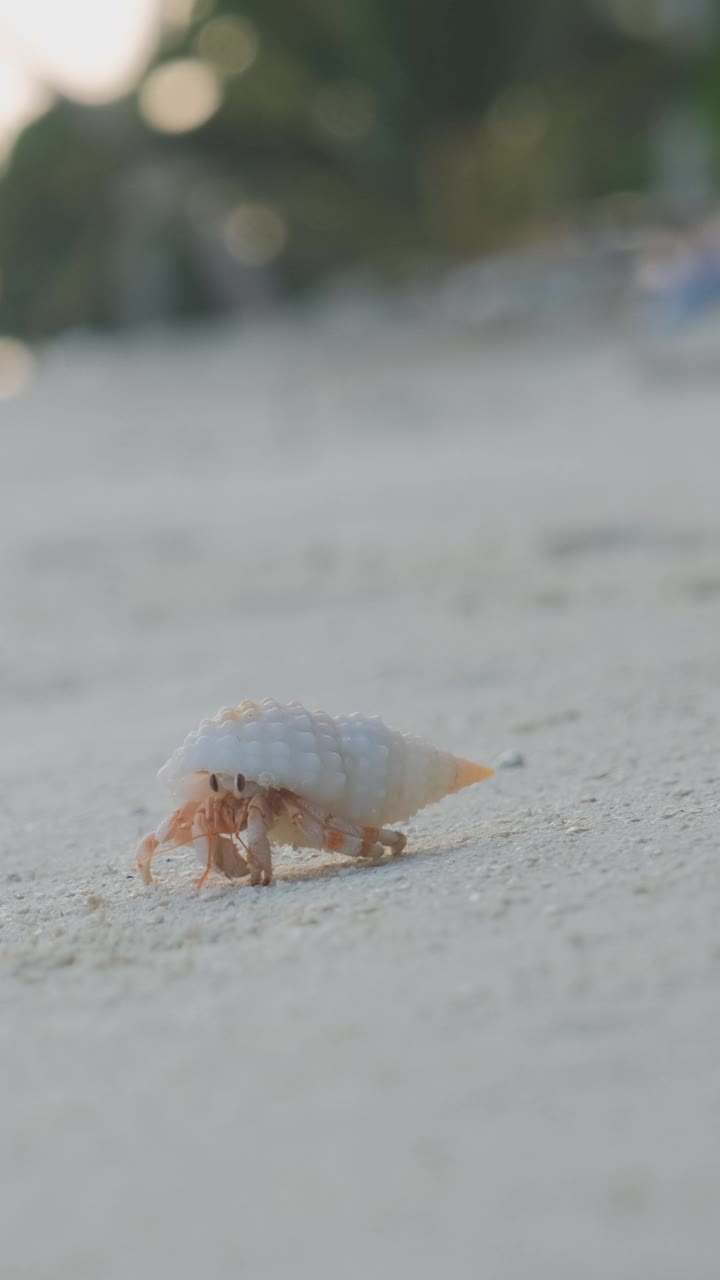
[
  {"x": 239, "y": 781},
  {"x": 214, "y": 784}
]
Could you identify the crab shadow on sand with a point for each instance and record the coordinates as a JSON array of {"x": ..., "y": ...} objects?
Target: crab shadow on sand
[{"x": 290, "y": 872}]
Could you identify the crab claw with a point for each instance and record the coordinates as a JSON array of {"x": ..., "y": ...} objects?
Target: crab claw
[
  {"x": 173, "y": 832},
  {"x": 228, "y": 859}
]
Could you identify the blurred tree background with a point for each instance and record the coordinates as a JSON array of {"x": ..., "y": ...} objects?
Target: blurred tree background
[{"x": 272, "y": 143}]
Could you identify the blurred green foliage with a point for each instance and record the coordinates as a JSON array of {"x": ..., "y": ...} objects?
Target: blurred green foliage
[{"x": 382, "y": 133}]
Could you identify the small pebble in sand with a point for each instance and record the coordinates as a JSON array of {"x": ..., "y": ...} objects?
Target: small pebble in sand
[{"x": 510, "y": 760}]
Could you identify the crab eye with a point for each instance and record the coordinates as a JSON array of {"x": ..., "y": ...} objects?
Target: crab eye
[
  {"x": 214, "y": 784},
  {"x": 239, "y": 781}
]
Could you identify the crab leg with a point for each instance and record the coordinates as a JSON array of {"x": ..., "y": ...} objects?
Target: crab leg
[
  {"x": 260, "y": 818},
  {"x": 173, "y": 831},
  {"x": 204, "y": 836},
  {"x": 148, "y": 848},
  {"x": 210, "y": 851},
  {"x": 323, "y": 831},
  {"x": 395, "y": 841}
]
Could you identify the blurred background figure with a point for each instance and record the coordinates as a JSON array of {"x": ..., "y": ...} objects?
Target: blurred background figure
[
  {"x": 678, "y": 280},
  {"x": 176, "y": 158}
]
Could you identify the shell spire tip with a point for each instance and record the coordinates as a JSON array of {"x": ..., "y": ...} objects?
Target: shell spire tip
[{"x": 468, "y": 772}]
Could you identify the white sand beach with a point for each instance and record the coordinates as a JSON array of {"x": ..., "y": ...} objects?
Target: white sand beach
[{"x": 497, "y": 1056}]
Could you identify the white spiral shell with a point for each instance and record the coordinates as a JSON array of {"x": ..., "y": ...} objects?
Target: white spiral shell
[{"x": 352, "y": 765}]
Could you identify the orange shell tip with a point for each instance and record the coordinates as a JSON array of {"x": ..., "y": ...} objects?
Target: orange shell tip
[{"x": 468, "y": 772}]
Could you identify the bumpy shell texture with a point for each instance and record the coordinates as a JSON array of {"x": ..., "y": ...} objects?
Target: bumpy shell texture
[{"x": 353, "y": 765}]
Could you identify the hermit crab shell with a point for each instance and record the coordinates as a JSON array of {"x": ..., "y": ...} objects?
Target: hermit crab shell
[{"x": 354, "y": 766}]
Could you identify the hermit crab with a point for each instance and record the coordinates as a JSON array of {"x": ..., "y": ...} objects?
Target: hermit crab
[{"x": 265, "y": 771}]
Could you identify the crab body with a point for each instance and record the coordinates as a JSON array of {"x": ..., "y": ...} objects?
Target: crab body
[{"x": 280, "y": 773}]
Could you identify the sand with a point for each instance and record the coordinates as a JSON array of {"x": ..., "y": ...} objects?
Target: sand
[{"x": 497, "y": 1056}]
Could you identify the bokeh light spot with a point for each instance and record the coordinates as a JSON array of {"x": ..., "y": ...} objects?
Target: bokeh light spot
[
  {"x": 180, "y": 13},
  {"x": 685, "y": 22},
  {"x": 179, "y": 96},
  {"x": 255, "y": 234},
  {"x": 177, "y": 13},
  {"x": 90, "y": 50},
  {"x": 16, "y": 367},
  {"x": 231, "y": 44},
  {"x": 21, "y": 100}
]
